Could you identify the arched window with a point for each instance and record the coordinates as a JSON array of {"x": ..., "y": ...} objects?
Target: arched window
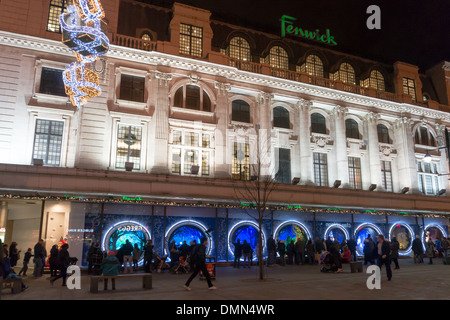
[
  {"x": 313, "y": 66},
  {"x": 192, "y": 97},
  {"x": 239, "y": 49},
  {"x": 376, "y": 80},
  {"x": 281, "y": 118},
  {"x": 240, "y": 111},
  {"x": 351, "y": 129},
  {"x": 346, "y": 74},
  {"x": 278, "y": 58},
  {"x": 383, "y": 134},
  {"x": 424, "y": 137},
  {"x": 318, "y": 123},
  {"x": 57, "y": 7}
]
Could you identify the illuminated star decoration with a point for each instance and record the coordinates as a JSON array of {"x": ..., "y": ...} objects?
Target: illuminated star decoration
[{"x": 84, "y": 31}]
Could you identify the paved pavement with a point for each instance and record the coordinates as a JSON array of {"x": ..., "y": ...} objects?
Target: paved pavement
[{"x": 291, "y": 282}]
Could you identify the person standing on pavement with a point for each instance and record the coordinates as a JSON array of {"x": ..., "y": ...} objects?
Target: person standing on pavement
[
  {"x": 237, "y": 253},
  {"x": 39, "y": 257},
  {"x": 395, "y": 247},
  {"x": 148, "y": 256},
  {"x": 282, "y": 252},
  {"x": 26, "y": 260},
  {"x": 198, "y": 257},
  {"x": 64, "y": 262},
  {"x": 300, "y": 251},
  {"x": 127, "y": 256},
  {"x": 417, "y": 250},
  {"x": 351, "y": 245},
  {"x": 272, "y": 251},
  {"x": 430, "y": 249},
  {"x": 383, "y": 250},
  {"x": 247, "y": 252}
]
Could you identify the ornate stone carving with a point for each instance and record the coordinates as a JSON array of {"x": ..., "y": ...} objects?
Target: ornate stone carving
[{"x": 163, "y": 78}]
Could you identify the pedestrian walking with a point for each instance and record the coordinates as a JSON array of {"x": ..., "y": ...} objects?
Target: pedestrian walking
[
  {"x": 199, "y": 259},
  {"x": 26, "y": 260},
  {"x": 39, "y": 256},
  {"x": 237, "y": 253},
  {"x": 64, "y": 262},
  {"x": 395, "y": 247},
  {"x": 383, "y": 250}
]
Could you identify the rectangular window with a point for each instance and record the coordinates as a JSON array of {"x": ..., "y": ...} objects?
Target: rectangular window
[
  {"x": 176, "y": 161},
  {"x": 132, "y": 88},
  {"x": 52, "y": 82},
  {"x": 47, "y": 141},
  {"x": 320, "y": 169},
  {"x": 283, "y": 174},
  {"x": 354, "y": 170},
  {"x": 409, "y": 87},
  {"x": 428, "y": 177},
  {"x": 191, "y": 40},
  {"x": 241, "y": 161},
  {"x": 56, "y": 8},
  {"x": 191, "y": 139},
  {"x": 190, "y": 159},
  {"x": 205, "y": 141},
  {"x": 128, "y": 146},
  {"x": 386, "y": 175},
  {"x": 176, "y": 138},
  {"x": 205, "y": 163}
]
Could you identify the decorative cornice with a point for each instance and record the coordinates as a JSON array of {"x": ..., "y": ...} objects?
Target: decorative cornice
[{"x": 157, "y": 58}]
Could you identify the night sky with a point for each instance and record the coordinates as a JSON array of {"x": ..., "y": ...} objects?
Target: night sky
[{"x": 414, "y": 31}]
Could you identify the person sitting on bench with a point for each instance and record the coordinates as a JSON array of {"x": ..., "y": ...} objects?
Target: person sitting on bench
[{"x": 110, "y": 267}]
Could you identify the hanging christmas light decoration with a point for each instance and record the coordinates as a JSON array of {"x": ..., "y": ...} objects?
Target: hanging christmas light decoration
[{"x": 84, "y": 32}]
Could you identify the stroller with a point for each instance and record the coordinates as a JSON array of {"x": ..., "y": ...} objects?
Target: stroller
[
  {"x": 182, "y": 266},
  {"x": 159, "y": 263},
  {"x": 329, "y": 263}
]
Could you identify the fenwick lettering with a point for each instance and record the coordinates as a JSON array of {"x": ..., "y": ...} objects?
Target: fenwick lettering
[{"x": 287, "y": 27}]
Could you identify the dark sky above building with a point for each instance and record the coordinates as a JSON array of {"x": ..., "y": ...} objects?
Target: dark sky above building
[{"x": 413, "y": 31}]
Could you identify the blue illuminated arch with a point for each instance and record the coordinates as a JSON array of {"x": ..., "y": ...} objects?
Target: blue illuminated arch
[
  {"x": 118, "y": 233},
  {"x": 408, "y": 249},
  {"x": 432, "y": 225},
  {"x": 337, "y": 226},
  {"x": 361, "y": 233},
  {"x": 245, "y": 230},
  {"x": 282, "y": 227},
  {"x": 187, "y": 230}
]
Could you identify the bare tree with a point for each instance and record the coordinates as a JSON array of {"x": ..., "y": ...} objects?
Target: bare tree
[{"x": 255, "y": 190}]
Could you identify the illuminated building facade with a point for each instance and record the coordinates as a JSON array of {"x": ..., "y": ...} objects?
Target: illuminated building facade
[{"x": 356, "y": 146}]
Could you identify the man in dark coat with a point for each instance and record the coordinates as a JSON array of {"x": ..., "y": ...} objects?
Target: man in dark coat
[
  {"x": 272, "y": 250},
  {"x": 39, "y": 255},
  {"x": 383, "y": 250},
  {"x": 237, "y": 253},
  {"x": 417, "y": 250},
  {"x": 351, "y": 245},
  {"x": 199, "y": 259}
]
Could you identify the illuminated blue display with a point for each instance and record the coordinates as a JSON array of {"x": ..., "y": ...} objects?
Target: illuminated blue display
[
  {"x": 248, "y": 233},
  {"x": 336, "y": 233},
  {"x": 118, "y": 239},
  {"x": 362, "y": 235},
  {"x": 291, "y": 232},
  {"x": 186, "y": 233}
]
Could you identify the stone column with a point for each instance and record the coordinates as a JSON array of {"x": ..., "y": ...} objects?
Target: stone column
[
  {"x": 406, "y": 159},
  {"x": 341, "y": 167},
  {"x": 370, "y": 121},
  {"x": 306, "y": 155},
  {"x": 220, "y": 136},
  {"x": 160, "y": 124},
  {"x": 263, "y": 126}
]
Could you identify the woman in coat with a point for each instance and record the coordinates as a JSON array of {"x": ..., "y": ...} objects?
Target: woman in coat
[
  {"x": 395, "y": 246},
  {"x": 53, "y": 260},
  {"x": 64, "y": 262}
]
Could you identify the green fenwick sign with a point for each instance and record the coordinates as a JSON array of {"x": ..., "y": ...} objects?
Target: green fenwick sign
[{"x": 288, "y": 28}]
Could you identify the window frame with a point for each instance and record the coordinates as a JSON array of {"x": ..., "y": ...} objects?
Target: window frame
[
  {"x": 278, "y": 58},
  {"x": 237, "y": 116},
  {"x": 313, "y": 62},
  {"x": 202, "y": 95},
  {"x": 239, "y": 169},
  {"x": 432, "y": 174},
  {"x": 428, "y": 140},
  {"x": 62, "y": 8},
  {"x": 386, "y": 176},
  {"x": 408, "y": 88},
  {"x": 238, "y": 50},
  {"x": 191, "y": 37},
  {"x": 129, "y": 126},
  {"x": 61, "y": 142},
  {"x": 383, "y": 133},
  {"x": 282, "y": 122},
  {"x": 320, "y": 169},
  {"x": 316, "y": 127},
  {"x": 350, "y": 132},
  {"x": 354, "y": 173}
]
